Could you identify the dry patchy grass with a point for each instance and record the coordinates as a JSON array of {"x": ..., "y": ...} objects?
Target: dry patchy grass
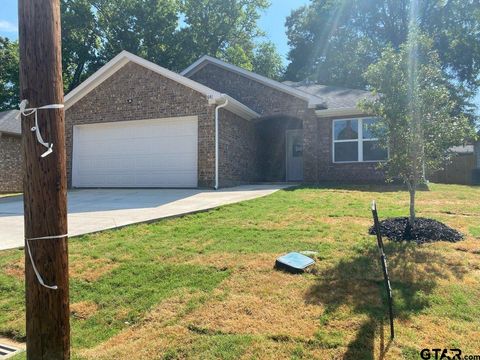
[
  {"x": 90, "y": 269},
  {"x": 83, "y": 309}
]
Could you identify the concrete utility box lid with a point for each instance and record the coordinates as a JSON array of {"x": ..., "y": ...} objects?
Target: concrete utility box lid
[{"x": 294, "y": 262}]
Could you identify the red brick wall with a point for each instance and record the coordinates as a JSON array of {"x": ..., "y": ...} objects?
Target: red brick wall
[
  {"x": 11, "y": 167},
  {"x": 237, "y": 150},
  {"x": 136, "y": 93},
  {"x": 260, "y": 98}
]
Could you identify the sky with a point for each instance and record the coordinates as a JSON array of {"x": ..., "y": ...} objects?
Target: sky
[{"x": 272, "y": 22}]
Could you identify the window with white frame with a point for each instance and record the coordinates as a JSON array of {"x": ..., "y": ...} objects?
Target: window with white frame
[{"x": 353, "y": 141}]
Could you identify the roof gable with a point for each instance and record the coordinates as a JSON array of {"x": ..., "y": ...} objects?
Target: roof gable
[
  {"x": 312, "y": 100},
  {"x": 124, "y": 57},
  {"x": 118, "y": 62},
  {"x": 10, "y": 123}
]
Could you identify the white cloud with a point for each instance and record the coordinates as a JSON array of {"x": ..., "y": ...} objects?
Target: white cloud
[{"x": 7, "y": 26}]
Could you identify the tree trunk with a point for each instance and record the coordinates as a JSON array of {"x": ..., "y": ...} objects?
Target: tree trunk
[
  {"x": 76, "y": 76},
  {"x": 412, "y": 188}
]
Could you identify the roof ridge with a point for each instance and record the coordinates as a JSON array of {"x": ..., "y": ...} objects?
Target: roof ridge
[
  {"x": 324, "y": 85},
  {"x": 310, "y": 98}
]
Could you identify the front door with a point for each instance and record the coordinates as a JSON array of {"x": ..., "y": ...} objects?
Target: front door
[{"x": 294, "y": 147}]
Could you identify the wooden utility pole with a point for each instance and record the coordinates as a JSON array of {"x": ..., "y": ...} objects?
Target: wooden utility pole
[{"x": 44, "y": 184}]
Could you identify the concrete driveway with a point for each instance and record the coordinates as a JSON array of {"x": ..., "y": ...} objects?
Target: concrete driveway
[{"x": 95, "y": 210}]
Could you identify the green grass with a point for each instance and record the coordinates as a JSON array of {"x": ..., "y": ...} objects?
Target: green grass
[{"x": 203, "y": 286}]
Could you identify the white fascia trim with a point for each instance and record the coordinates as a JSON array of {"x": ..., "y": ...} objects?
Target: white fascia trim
[
  {"x": 238, "y": 108},
  {"x": 354, "y": 111},
  {"x": 313, "y": 101},
  {"x": 14, "y": 134},
  {"x": 119, "y": 61}
]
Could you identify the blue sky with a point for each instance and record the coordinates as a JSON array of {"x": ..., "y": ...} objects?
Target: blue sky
[{"x": 272, "y": 22}]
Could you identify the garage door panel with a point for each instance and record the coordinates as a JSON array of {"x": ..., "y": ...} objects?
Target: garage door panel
[
  {"x": 142, "y": 146},
  {"x": 143, "y": 153},
  {"x": 179, "y": 163},
  {"x": 171, "y": 179}
]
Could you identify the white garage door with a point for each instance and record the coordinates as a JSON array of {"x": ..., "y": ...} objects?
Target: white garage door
[{"x": 141, "y": 153}]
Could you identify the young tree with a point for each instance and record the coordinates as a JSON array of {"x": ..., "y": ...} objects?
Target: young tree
[{"x": 418, "y": 117}]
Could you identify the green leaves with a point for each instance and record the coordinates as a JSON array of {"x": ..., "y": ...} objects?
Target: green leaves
[
  {"x": 267, "y": 61},
  {"x": 9, "y": 83},
  {"x": 226, "y": 29},
  {"x": 334, "y": 41},
  {"x": 416, "y": 108}
]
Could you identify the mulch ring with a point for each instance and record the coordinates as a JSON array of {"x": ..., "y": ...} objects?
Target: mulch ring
[{"x": 425, "y": 230}]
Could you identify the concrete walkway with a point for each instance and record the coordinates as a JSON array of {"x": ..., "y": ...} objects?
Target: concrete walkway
[{"x": 95, "y": 210}]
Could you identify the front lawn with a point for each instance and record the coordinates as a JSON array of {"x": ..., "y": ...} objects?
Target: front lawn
[{"x": 204, "y": 287}]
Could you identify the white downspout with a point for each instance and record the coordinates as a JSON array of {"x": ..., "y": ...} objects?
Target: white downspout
[{"x": 216, "y": 138}]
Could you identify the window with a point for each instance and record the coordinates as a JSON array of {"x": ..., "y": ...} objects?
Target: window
[{"x": 353, "y": 141}]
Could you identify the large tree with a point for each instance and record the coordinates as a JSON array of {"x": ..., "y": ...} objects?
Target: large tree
[
  {"x": 226, "y": 29},
  {"x": 334, "y": 41},
  {"x": 80, "y": 41},
  {"x": 267, "y": 61},
  {"x": 9, "y": 83},
  {"x": 418, "y": 117},
  {"x": 144, "y": 27}
]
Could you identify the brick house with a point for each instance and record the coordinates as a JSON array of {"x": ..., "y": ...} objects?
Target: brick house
[
  {"x": 136, "y": 124},
  {"x": 10, "y": 152}
]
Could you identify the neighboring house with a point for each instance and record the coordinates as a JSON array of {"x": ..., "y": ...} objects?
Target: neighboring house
[
  {"x": 10, "y": 152},
  {"x": 136, "y": 124}
]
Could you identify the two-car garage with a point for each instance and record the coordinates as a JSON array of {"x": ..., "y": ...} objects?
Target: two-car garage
[{"x": 140, "y": 153}]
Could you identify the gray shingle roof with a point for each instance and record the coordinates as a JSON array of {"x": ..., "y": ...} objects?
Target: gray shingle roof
[
  {"x": 9, "y": 122},
  {"x": 464, "y": 149},
  {"x": 334, "y": 97}
]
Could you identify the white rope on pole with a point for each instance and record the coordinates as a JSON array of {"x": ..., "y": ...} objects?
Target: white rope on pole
[
  {"x": 29, "y": 111},
  {"x": 35, "y": 270}
]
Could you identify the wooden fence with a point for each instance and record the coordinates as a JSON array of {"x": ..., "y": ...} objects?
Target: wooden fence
[{"x": 458, "y": 171}]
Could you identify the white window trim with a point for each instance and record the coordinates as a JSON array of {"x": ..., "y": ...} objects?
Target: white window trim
[{"x": 360, "y": 140}]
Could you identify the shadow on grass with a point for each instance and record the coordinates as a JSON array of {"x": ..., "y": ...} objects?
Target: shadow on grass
[
  {"x": 380, "y": 187},
  {"x": 357, "y": 284}
]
